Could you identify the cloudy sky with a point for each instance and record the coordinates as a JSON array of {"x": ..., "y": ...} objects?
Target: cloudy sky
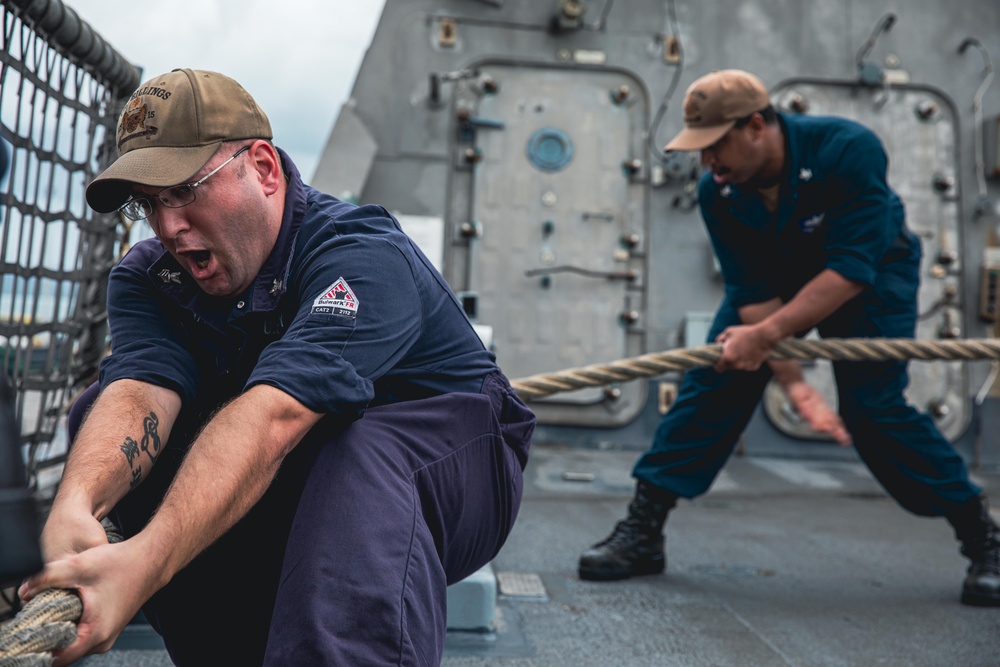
[{"x": 298, "y": 58}]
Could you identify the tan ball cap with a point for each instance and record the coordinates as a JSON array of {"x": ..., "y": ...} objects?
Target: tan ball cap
[
  {"x": 170, "y": 127},
  {"x": 714, "y": 103}
]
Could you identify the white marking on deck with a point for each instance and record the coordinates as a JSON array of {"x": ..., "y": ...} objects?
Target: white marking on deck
[
  {"x": 797, "y": 472},
  {"x": 724, "y": 482}
]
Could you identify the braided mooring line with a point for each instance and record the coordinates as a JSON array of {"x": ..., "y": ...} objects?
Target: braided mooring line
[
  {"x": 47, "y": 622},
  {"x": 834, "y": 349},
  {"x": 44, "y": 624}
]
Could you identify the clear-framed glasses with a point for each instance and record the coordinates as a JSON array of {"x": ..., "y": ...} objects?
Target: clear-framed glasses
[{"x": 142, "y": 206}]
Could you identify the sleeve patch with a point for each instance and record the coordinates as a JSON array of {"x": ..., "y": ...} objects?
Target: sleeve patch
[{"x": 337, "y": 299}]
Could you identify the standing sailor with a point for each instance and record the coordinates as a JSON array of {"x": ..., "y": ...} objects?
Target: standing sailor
[{"x": 808, "y": 235}]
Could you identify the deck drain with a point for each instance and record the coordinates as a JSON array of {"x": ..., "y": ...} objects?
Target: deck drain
[{"x": 521, "y": 585}]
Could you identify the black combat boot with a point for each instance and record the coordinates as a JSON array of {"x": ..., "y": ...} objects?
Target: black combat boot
[
  {"x": 635, "y": 546},
  {"x": 980, "y": 538}
]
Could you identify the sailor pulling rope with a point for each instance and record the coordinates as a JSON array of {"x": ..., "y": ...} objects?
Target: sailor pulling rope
[{"x": 47, "y": 622}]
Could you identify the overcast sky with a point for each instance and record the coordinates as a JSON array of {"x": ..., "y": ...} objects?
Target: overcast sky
[{"x": 298, "y": 58}]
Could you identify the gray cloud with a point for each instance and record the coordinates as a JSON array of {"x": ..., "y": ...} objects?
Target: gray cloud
[{"x": 298, "y": 58}]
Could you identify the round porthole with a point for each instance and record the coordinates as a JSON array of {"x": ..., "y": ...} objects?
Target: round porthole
[{"x": 550, "y": 149}]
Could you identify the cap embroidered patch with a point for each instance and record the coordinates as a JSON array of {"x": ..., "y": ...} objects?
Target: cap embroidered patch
[{"x": 337, "y": 299}]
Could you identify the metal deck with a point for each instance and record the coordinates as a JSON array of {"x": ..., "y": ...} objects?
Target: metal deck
[{"x": 803, "y": 563}]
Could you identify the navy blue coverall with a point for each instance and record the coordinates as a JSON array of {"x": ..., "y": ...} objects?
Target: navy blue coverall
[
  {"x": 835, "y": 211},
  {"x": 411, "y": 482}
]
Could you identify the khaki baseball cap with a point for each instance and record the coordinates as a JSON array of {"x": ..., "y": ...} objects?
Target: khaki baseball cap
[
  {"x": 170, "y": 127},
  {"x": 714, "y": 103}
]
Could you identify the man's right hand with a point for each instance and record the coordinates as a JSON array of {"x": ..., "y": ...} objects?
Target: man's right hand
[{"x": 113, "y": 581}]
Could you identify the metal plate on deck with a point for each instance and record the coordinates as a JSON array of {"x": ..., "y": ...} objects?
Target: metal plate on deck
[{"x": 521, "y": 585}]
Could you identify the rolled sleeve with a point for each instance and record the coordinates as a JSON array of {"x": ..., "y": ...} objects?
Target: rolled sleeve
[
  {"x": 862, "y": 227},
  {"x": 319, "y": 377},
  {"x": 145, "y": 344}
]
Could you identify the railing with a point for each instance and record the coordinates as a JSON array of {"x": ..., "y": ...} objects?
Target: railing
[{"x": 61, "y": 86}]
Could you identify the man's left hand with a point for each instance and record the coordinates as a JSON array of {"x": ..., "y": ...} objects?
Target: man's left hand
[{"x": 812, "y": 407}]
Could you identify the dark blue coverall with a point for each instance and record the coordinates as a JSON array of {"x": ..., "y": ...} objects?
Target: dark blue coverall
[
  {"x": 411, "y": 482},
  {"x": 835, "y": 211}
]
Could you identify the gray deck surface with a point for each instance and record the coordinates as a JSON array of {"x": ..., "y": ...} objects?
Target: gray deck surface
[{"x": 784, "y": 562}]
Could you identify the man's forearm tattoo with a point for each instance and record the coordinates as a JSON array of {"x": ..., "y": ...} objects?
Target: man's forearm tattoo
[{"x": 149, "y": 444}]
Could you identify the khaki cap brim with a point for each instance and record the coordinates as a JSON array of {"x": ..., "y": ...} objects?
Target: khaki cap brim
[
  {"x": 156, "y": 166},
  {"x": 697, "y": 138}
]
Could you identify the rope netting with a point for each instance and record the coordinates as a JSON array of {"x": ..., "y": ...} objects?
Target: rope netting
[
  {"x": 61, "y": 85},
  {"x": 46, "y": 623}
]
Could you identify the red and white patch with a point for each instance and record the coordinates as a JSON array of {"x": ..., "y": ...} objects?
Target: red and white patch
[{"x": 337, "y": 299}]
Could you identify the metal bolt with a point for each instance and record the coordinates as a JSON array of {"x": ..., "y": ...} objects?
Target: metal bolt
[
  {"x": 938, "y": 409},
  {"x": 632, "y": 166},
  {"x": 949, "y": 331},
  {"x": 612, "y": 393},
  {"x": 447, "y": 30},
  {"x": 631, "y": 240},
  {"x": 798, "y": 103},
  {"x": 947, "y": 257},
  {"x": 621, "y": 94},
  {"x": 672, "y": 50},
  {"x": 573, "y": 9},
  {"x": 473, "y": 155},
  {"x": 943, "y": 183},
  {"x": 629, "y": 316},
  {"x": 926, "y": 109}
]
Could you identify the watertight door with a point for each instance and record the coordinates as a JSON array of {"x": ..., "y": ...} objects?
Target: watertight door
[{"x": 559, "y": 219}]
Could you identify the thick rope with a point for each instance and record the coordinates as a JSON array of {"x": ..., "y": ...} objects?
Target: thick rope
[
  {"x": 835, "y": 349},
  {"x": 46, "y": 623}
]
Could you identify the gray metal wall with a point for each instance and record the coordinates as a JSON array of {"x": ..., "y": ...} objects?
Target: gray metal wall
[{"x": 458, "y": 154}]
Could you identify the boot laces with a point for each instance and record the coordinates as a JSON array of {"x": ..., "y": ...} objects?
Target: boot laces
[
  {"x": 626, "y": 534},
  {"x": 986, "y": 558}
]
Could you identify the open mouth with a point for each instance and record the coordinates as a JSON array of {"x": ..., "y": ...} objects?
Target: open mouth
[{"x": 200, "y": 258}]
